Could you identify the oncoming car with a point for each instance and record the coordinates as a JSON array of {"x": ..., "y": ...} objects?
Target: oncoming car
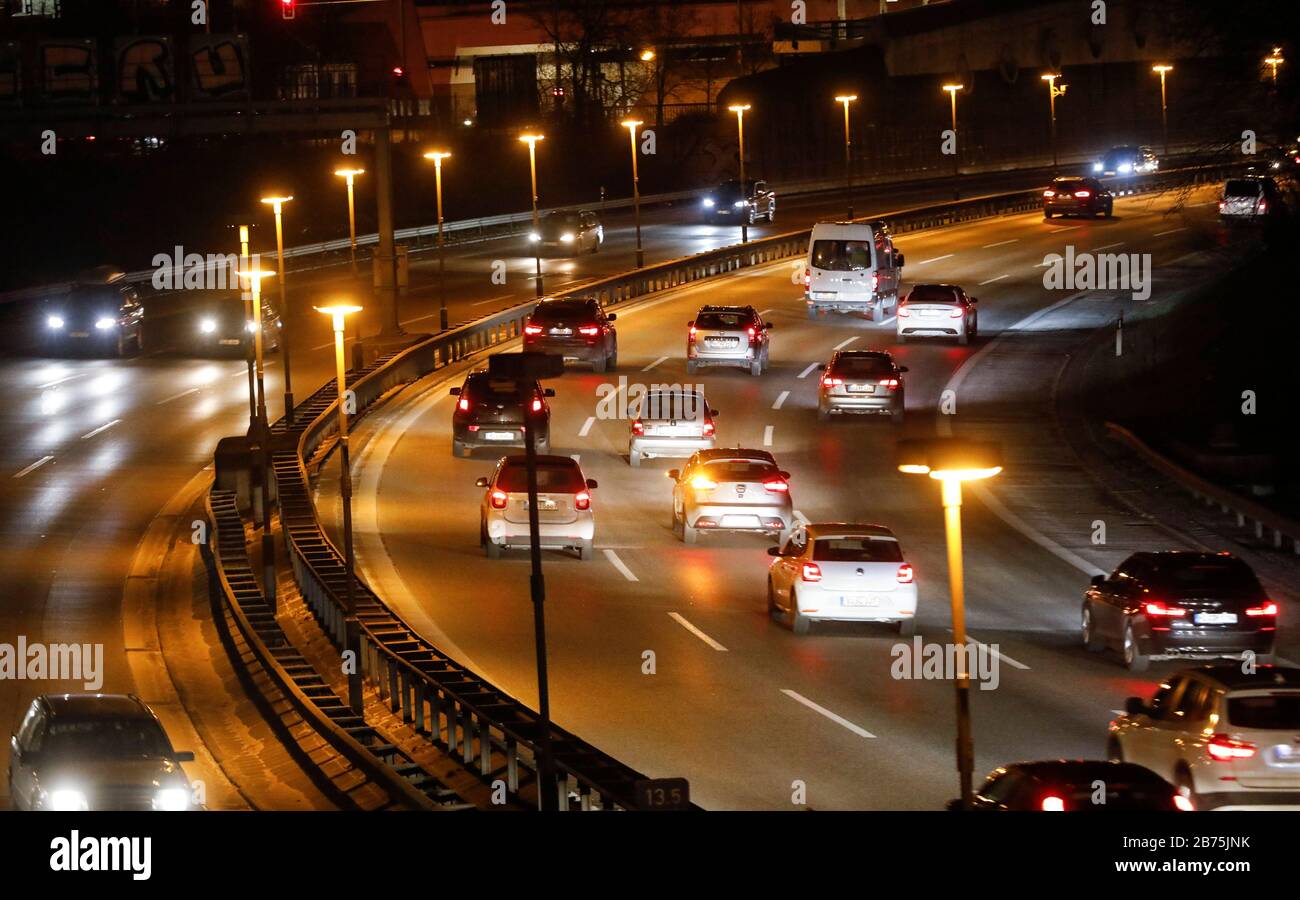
[
  {"x": 1124, "y": 161},
  {"x": 731, "y": 490},
  {"x": 563, "y": 506},
  {"x": 841, "y": 572},
  {"x": 670, "y": 422},
  {"x": 77, "y": 752},
  {"x": 569, "y": 233},
  {"x": 100, "y": 314},
  {"x": 223, "y": 324}
]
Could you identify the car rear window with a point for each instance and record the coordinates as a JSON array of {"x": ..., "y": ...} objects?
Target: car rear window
[
  {"x": 1205, "y": 574},
  {"x": 1119, "y": 795},
  {"x": 740, "y": 470},
  {"x": 932, "y": 294},
  {"x": 1241, "y": 187},
  {"x": 862, "y": 367},
  {"x": 841, "y": 255},
  {"x": 1069, "y": 184},
  {"x": 564, "y": 310},
  {"x": 851, "y": 548},
  {"x": 672, "y": 405},
  {"x": 570, "y": 219},
  {"x": 118, "y": 738},
  {"x": 550, "y": 479},
  {"x": 1280, "y": 711},
  {"x": 723, "y": 321},
  {"x": 484, "y": 387}
]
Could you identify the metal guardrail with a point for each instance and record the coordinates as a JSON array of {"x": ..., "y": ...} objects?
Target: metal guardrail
[
  {"x": 1248, "y": 512},
  {"x": 421, "y": 683}
]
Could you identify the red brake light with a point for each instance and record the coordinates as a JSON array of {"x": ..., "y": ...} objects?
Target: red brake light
[
  {"x": 956, "y": 312},
  {"x": 1224, "y": 748},
  {"x": 708, "y": 428},
  {"x": 537, "y": 404},
  {"x": 904, "y": 575},
  {"x": 498, "y": 498},
  {"x": 777, "y": 485},
  {"x": 1083, "y": 194},
  {"x": 807, "y": 273},
  {"x": 811, "y": 572},
  {"x": 1268, "y": 608},
  {"x": 1052, "y": 803},
  {"x": 902, "y": 310},
  {"x": 753, "y": 332},
  {"x": 832, "y": 381},
  {"x": 589, "y": 330},
  {"x": 463, "y": 403},
  {"x": 690, "y": 336},
  {"x": 1221, "y": 205},
  {"x": 875, "y": 280},
  {"x": 1049, "y": 193},
  {"x": 530, "y": 328},
  {"x": 638, "y": 427},
  {"x": 1262, "y": 205},
  {"x": 1163, "y": 610},
  {"x": 889, "y": 382},
  {"x": 582, "y": 500}
]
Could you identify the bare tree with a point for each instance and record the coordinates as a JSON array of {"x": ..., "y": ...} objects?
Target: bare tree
[{"x": 582, "y": 32}]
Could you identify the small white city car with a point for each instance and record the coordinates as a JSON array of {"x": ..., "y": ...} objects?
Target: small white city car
[{"x": 564, "y": 514}]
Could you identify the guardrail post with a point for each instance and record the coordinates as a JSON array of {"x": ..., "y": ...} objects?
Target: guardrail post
[
  {"x": 394, "y": 702},
  {"x": 484, "y": 746},
  {"x": 512, "y": 765}
]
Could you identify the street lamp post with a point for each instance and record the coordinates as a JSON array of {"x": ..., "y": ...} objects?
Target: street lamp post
[
  {"x": 438, "y": 156},
  {"x": 952, "y": 90},
  {"x": 261, "y": 427},
  {"x": 350, "y": 174},
  {"x": 1273, "y": 61},
  {"x": 351, "y": 628},
  {"x": 846, "y": 99},
  {"x": 632, "y": 125},
  {"x": 531, "y": 140},
  {"x": 1162, "y": 69},
  {"x": 739, "y": 110},
  {"x": 1052, "y": 93},
  {"x": 248, "y": 317},
  {"x": 951, "y": 461},
  {"x": 277, "y": 203}
]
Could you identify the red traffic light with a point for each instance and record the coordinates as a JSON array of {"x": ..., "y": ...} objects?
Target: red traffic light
[{"x": 288, "y": 8}]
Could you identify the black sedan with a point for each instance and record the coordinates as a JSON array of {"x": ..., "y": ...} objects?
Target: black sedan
[
  {"x": 1077, "y": 197},
  {"x": 1075, "y": 785}
]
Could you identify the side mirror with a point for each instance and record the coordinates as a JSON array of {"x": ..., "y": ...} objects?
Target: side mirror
[
  {"x": 974, "y": 299},
  {"x": 773, "y": 551},
  {"x": 674, "y": 474},
  {"x": 548, "y": 392},
  {"x": 713, "y": 413},
  {"x": 903, "y": 369},
  {"x": 1133, "y": 706},
  {"x": 1097, "y": 580},
  {"x": 183, "y": 756},
  {"x": 898, "y": 260},
  {"x": 767, "y": 326},
  {"x": 611, "y": 317},
  {"x": 455, "y": 392},
  {"x": 591, "y": 483},
  {"x": 690, "y": 324},
  {"x": 481, "y": 482}
]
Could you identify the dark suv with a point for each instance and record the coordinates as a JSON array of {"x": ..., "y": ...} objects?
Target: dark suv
[
  {"x": 576, "y": 329},
  {"x": 727, "y": 336},
  {"x": 729, "y": 202},
  {"x": 100, "y": 314},
  {"x": 1077, "y": 197},
  {"x": 490, "y": 412},
  {"x": 1071, "y": 785},
  {"x": 1179, "y": 603},
  {"x": 861, "y": 381}
]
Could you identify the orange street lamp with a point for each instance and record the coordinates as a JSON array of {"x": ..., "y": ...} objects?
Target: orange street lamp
[
  {"x": 632, "y": 125},
  {"x": 846, "y": 99},
  {"x": 952, "y": 90},
  {"x": 531, "y": 140},
  {"x": 1162, "y": 69},
  {"x": 277, "y": 203},
  {"x": 261, "y": 427},
  {"x": 739, "y": 110},
  {"x": 1273, "y": 61},
  {"x": 1053, "y": 91},
  {"x": 438, "y": 156},
  {"x": 350, "y": 174}
]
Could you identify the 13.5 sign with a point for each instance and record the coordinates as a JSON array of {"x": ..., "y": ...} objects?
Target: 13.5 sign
[{"x": 663, "y": 794}]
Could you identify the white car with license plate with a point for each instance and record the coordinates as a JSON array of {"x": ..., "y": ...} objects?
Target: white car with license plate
[
  {"x": 1227, "y": 738},
  {"x": 565, "y": 519},
  {"x": 670, "y": 423},
  {"x": 841, "y": 572},
  {"x": 937, "y": 310},
  {"x": 731, "y": 489}
]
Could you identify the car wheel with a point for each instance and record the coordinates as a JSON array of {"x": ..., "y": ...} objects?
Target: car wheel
[
  {"x": 633, "y": 459},
  {"x": 756, "y": 367},
  {"x": 1092, "y": 642},
  {"x": 492, "y": 550},
  {"x": 799, "y": 623},
  {"x": 1046, "y": 214},
  {"x": 963, "y": 338},
  {"x": 896, "y": 415},
  {"x": 690, "y": 367},
  {"x": 613, "y": 358},
  {"x": 771, "y": 214},
  {"x": 585, "y": 550},
  {"x": 458, "y": 449},
  {"x": 543, "y": 447},
  {"x": 901, "y": 338},
  {"x": 678, "y": 527},
  {"x": 870, "y": 314},
  {"x": 823, "y": 415},
  {"x": 773, "y": 611},
  {"x": 1114, "y": 751},
  {"x": 1134, "y": 658},
  {"x": 906, "y": 628},
  {"x": 601, "y": 365},
  {"x": 812, "y": 311},
  {"x": 1110, "y": 210},
  {"x": 1183, "y": 781},
  {"x": 689, "y": 535}
]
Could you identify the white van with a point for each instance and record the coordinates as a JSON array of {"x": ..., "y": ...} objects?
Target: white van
[{"x": 852, "y": 267}]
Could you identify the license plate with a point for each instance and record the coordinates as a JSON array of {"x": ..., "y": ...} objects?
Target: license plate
[
  {"x": 861, "y": 388},
  {"x": 824, "y": 295},
  {"x": 1215, "y": 618},
  {"x": 1285, "y": 753},
  {"x": 546, "y": 505},
  {"x": 722, "y": 342},
  {"x": 81, "y": 334},
  {"x": 500, "y": 435},
  {"x": 930, "y": 313},
  {"x": 561, "y": 331},
  {"x": 229, "y": 342},
  {"x": 740, "y": 522},
  {"x": 860, "y": 600}
]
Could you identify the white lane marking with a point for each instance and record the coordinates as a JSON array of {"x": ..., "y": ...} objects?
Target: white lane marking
[
  {"x": 780, "y": 400},
  {"x": 1066, "y": 228},
  {"x": 586, "y": 426},
  {"x": 808, "y": 371},
  {"x": 842, "y": 344},
  {"x": 244, "y": 371},
  {"x": 991, "y": 280},
  {"x": 890, "y": 319},
  {"x": 655, "y": 363},
  {"x": 100, "y": 429},
  {"x": 479, "y": 303},
  {"x": 934, "y": 259},
  {"x": 695, "y": 631},
  {"x": 943, "y": 426},
  {"x": 1108, "y": 246},
  {"x": 1001, "y": 243},
  {"x": 1170, "y": 231},
  {"x": 178, "y": 396},
  {"x": 763, "y": 312},
  {"x": 34, "y": 466},
  {"x": 837, "y": 719},
  {"x": 64, "y": 380},
  {"x": 767, "y": 435},
  {"x": 997, "y": 653},
  {"x": 619, "y": 564}
]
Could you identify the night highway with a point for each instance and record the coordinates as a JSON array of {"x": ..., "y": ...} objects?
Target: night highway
[{"x": 859, "y": 408}]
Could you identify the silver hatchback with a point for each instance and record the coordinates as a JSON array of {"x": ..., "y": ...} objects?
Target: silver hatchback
[
  {"x": 670, "y": 423},
  {"x": 731, "y": 490}
]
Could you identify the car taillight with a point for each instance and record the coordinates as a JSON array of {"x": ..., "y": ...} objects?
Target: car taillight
[
  {"x": 875, "y": 281},
  {"x": 1049, "y": 194},
  {"x": 530, "y": 328},
  {"x": 702, "y": 483},
  {"x": 1163, "y": 610},
  {"x": 498, "y": 498},
  {"x": 777, "y": 485},
  {"x": 708, "y": 428},
  {"x": 1263, "y": 207},
  {"x": 1221, "y": 205},
  {"x": 582, "y": 500},
  {"x": 638, "y": 427},
  {"x": 1083, "y": 195},
  {"x": 589, "y": 330},
  {"x": 1225, "y": 749},
  {"x": 1052, "y": 803},
  {"x": 904, "y": 575},
  {"x": 807, "y": 273},
  {"x": 890, "y": 383},
  {"x": 753, "y": 332},
  {"x": 690, "y": 335},
  {"x": 811, "y": 572},
  {"x": 1266, "y": 609},
  {"x": 537, "y": 404},
  {"x": 463, "y": 404},
  {"x": 1184, "y": 804},
  {"x": 956, "y": 312},
  {"x": 903, "y": 312},
  {"x": 832, "y": 381}
]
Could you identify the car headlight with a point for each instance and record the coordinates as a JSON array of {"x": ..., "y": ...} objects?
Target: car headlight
[
  {"x": 68, "y": 800},
  {"x": 207, "y": 326},
  {"x": 567, "y": 237},
  {"x": 171, "y": 799},
  {"x": 534, "y": 236},
  {"x": 1126, "y": 167},
  {"x": 708, "y": 201},
  {"x": 105, "y": 323},
  {"x": 738, "y": 204},
  {"x": 1098, "y": 167},
  {"x": 250, "y": 327},
  {"x": 55, "y": 322}
]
